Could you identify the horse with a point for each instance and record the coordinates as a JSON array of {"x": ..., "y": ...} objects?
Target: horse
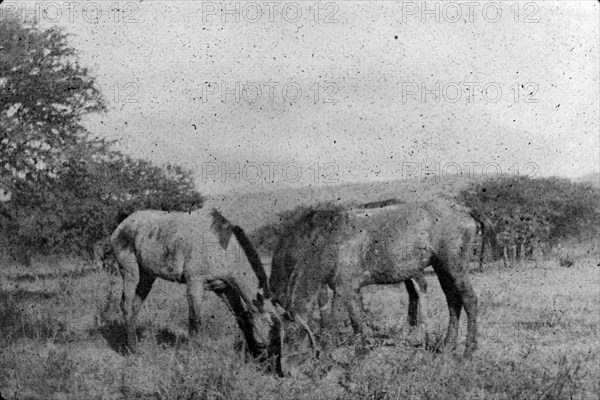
[
  {"x": 298, "y": 284},
  {"x": 203, "y": 250},
  {"x": 349, "y": 249}
]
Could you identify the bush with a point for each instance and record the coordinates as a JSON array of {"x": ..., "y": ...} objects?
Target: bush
[{"x": 536, "y": 213}]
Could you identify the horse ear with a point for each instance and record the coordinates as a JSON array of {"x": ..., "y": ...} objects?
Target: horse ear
[{"x": 221, "y": 227}]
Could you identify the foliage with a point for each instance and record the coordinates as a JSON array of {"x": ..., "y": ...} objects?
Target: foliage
[
  {"x": 541, "y": 212},
  {"x": 44, "y": 95},
  {"x": 68, "y": 188}
]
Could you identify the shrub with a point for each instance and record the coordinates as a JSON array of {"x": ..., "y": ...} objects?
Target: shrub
[{"x": 536, "y": 213}]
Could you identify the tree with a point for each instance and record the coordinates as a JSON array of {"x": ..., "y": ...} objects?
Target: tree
[
  {"x": 43, "y": 95},
  {"x": 69, "y": 188}
]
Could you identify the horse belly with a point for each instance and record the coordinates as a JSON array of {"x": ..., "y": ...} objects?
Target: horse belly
[
  {"x": 391, "y": 263},
  {"x": 164, "y": 262}
]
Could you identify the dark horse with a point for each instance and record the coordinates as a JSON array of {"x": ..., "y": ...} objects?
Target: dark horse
[
  {"x": 204, "y": 251},
  {"x": 349, "y": 249},
  {"x": 297, "y": 284}
]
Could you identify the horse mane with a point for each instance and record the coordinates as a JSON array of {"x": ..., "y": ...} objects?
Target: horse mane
[
  {"x": 323, "y": 215},
  {"x": 241, "y": 307},
  {"x": 297, "y": 224},
  {"x": 223, "y": 229},
  {"x": 307, "y": 218},
  {"x": 253, "y": 258},
  {"x": 231, "y": 294},
  {"x": 319, "y": 220}
]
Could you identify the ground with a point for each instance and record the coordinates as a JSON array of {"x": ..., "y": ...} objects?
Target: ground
[{"x": 62, "y": 339}]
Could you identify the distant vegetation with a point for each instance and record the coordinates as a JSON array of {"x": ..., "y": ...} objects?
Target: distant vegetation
[
  {"x": 536, "y": 214},
  {"x": 62, "y": 189},
  {"x": 529, "y": 215}
]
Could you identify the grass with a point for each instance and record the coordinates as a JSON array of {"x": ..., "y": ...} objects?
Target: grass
[{"x": 61, "y": 338}]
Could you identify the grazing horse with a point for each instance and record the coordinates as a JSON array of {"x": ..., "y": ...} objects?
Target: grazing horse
[
  {"x": 349, "y": 249},
  {"x": 204, "y": 251},
  {"x": 303, "y": 269}
]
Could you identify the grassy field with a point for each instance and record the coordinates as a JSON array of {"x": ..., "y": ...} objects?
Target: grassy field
[
  {"x": 61, "y": 334},
  {"x": 62, "y": 339}
]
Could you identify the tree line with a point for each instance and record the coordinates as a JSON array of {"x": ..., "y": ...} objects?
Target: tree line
[
  {"x": 62, "y": 188},
  {"x": 536, "y": 214},
  {"x": 528, "y": 216}
]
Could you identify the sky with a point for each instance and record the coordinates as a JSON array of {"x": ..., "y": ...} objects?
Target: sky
[{"x": 267, "y": 95}]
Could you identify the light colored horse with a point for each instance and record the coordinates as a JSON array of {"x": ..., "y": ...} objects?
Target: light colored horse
[
  {"x": 349, "y": 249},
  {"x": 206, "y": 252}
]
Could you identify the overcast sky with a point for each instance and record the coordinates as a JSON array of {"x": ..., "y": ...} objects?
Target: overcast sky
[{"x": 362, "y": 68}]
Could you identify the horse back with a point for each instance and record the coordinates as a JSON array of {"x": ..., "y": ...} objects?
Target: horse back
[
  {"x": 393, "y": 239},
  {"x": 180, "y": 246}
]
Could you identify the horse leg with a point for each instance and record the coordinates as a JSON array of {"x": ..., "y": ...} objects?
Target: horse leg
[
  {"x": 413, "y": 303},
  {"x": 345, "y": 299},
  {"x": 469, "y": 300},
  {"x": 195, "y": 291},
  {"x": 129, "y": 269},
  {"x": 141, "y": 292},
  {"x": 454, "y": 301},
  {"x": 420, "y": 285},
  {"x": 357, "y": 314},
  {"x": 417, "y": 307}
]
